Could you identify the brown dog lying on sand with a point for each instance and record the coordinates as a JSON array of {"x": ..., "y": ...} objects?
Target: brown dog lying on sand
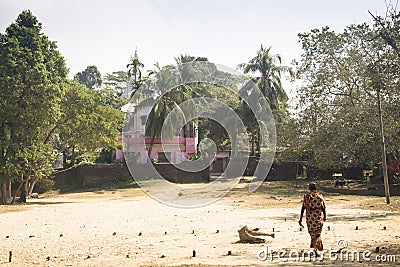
[{"x": 250, "y": 236}]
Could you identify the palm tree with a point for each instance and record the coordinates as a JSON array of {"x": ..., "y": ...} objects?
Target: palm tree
[
  {"x": 134, "y": 73},
  {"x": 164, "y": 106},
  {"x": 270, "y": 83},
  {"x": 181, "y": 59},
  {"x": 170, "y": 100}
]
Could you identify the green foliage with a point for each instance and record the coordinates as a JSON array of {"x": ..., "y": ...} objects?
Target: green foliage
[
  {"x": 342, "y": 73},
  {"x": 44, "y": 185},
  {"x": 178, "y": 94},
  {"x": 31, "y": 74},
  {"x": 117, "y": 80},
  {"x": 42, "y": 111},
  {"x": 113, "y": 99},
  {"x": 388, "y": 28},
  {"x": 87, "y": 123},
  {"x": 182, "y": 59},
  {"x": 135, "y": 74},
  {"x": 90, "y": 77},
  {"x": 163, "y": 107},
  {"x": 270, "y": 83},
  {"x": 194, "y": 156},
  {"x": 217, "y": 133}
]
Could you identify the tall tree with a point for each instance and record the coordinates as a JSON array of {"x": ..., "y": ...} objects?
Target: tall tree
[
  {"x": 270, "y": 83},
  {"x": 347, "y": 78},
  {"x": 185, "y": 58},
  {"x": 118, "y": 80},
  {"x": 87, "y": 124},
  {"x": 115, "y": 84},
  {"x": 31, "y": 73},
  {"x": 42, "y": 111},
  {"x": 165, "y": 104},
  {"x": 135, "y": 73},
  {"x": 171, "y": 99},
  {"x": 388, "y": 27},
  {"x": 90, "y": 77}
]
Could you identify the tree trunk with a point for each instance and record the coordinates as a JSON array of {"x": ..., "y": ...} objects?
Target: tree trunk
[
  {"x": 259, "y": 141},
  {"x": 3, "y": 196},
  {"x": 383, "y": 149},
  {"x": 72, "y": 157},
  {"x": 5, "y": 192},
  {"x": 18, "y": 189},
  {"x": 64, "y": 160},
  {"x": 252, "y": 144},
  {"x": 151, "y": 143},
  {"x": 24, "y": 191},
  {"x": 8, "y": 190},
  {"x": 32, "y": 186}
]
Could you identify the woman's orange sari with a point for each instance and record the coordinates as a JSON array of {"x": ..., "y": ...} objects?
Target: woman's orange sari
[{"x": 314, "y": 204}]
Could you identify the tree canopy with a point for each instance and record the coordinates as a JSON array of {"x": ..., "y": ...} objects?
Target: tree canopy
[
  {"x": 90, "y": 77},
  {"x": 342, "y": 75},
  {"x": 43, "y": 112},
  {"x": 270, "y": 83}
]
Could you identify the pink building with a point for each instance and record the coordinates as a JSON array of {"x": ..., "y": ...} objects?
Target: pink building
[{"x": 177, "y": 149}]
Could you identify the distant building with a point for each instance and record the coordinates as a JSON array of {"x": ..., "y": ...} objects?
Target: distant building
[
  {"x": 137, "y": 144},
  {"x": 177, "y": 149}
]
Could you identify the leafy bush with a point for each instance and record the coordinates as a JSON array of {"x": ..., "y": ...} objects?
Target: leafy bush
[
  {"x": 44, "y": 185},
  {"x": 194, "y": 156}
]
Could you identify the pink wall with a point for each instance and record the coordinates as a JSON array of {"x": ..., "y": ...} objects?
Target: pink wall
[{"x": 174, "y": 145}]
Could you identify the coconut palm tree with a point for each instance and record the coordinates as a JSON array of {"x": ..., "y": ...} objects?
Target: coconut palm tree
[
  {"x": 164, "y": 106},
  {"x": 134, "y": 73},
  {"x": 270, "y": 83},
  {"x": 170, "y": 100}
]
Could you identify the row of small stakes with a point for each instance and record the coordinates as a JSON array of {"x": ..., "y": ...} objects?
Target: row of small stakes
[{"x": 193, "y": 252}]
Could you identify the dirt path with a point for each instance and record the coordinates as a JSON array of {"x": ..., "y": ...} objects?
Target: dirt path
[{"x": 126, "y": 228}]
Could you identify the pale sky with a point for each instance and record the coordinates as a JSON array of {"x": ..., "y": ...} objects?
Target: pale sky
[{"x": 227, "y": 32}]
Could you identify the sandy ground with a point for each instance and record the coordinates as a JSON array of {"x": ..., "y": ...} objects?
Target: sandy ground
[{"x": 124, "y": 227}]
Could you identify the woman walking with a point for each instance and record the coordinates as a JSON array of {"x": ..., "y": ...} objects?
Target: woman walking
[{"x": 314, "y": 205}]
